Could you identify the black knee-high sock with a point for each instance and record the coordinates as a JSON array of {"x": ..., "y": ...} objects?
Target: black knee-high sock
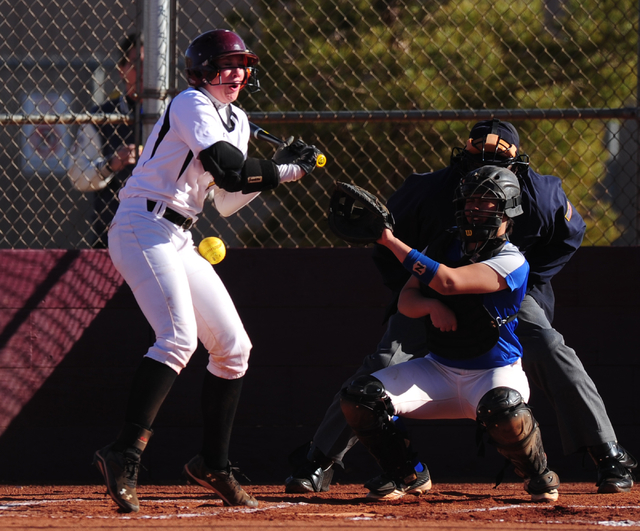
[
  {"x": 220, "y": 399},
  {"x": 151, "y": 384}
]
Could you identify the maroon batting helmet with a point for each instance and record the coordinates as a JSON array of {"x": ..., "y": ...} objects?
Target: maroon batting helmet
[{"x": 204, "y": 52}]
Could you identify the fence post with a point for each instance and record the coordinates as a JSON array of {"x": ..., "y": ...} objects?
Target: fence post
[{"x": 156, "y": 61}]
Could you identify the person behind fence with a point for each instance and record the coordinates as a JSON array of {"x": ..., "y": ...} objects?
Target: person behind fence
[
  {"x": 104, "y": 155},
  {"x": 549, "y": 232},
  {"x": 197, "y": 150},
  {"x": 466, "y": 289}
]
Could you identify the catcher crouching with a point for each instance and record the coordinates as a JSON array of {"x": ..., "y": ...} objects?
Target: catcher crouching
[{"x": 467, "y": 287}]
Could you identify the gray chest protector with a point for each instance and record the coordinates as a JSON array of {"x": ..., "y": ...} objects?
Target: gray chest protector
[{"x": 478, "y": 331}]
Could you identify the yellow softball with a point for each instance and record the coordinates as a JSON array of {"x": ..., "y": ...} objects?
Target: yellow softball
[{"x": 212, "y": 249}]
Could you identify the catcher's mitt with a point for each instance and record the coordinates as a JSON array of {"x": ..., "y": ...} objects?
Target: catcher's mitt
[{"x": 356, "y": 215}]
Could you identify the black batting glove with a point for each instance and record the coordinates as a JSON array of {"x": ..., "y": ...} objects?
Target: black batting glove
[
  {"x": 287, "y": 152},
  {"x": 308, "y": 158},
  {"x": 297, "y": 152}
]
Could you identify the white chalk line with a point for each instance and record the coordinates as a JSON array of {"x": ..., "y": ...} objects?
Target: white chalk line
[
  {"x": 608, "y": 523},
  {"x": 6, "y": 510},
  {"x": 28, "y": 503}
]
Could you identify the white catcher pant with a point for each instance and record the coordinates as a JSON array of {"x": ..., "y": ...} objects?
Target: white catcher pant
[
  {"x": 425, "y": 389},
  {"x": 178, "y": 291}
]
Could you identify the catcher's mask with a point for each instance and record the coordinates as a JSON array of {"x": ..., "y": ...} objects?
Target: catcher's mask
[
  {"x": 491, "y": 142},
  {"x": 206, "y": 50},
  {"x": 499, "y": 186}
]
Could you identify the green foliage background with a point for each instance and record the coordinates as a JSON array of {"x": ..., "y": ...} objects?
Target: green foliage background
[{"x": 340, "y": 55}]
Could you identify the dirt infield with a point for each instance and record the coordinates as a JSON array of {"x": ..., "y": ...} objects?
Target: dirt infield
[{"x": 446, "y": 507}]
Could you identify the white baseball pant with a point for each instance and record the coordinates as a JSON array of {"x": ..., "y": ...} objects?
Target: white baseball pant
[
  {"x": 425, "y": 389},
  {"x": 178, "y": 291}
]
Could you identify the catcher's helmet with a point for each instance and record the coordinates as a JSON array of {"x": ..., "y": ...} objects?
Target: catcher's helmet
[
  {"x": 491, "y": 142},
  {"x": 204, "y": 52},
  {"x": 488, "y": 182}
]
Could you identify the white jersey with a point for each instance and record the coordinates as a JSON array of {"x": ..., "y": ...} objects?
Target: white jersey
[
  {"x": 181, "y": 295},
  {"x": 169, "y": 169}
]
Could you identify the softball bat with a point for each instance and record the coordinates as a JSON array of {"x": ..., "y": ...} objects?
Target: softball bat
[{"x": 260, "y": 134}]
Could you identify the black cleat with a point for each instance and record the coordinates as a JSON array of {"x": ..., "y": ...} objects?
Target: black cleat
[
  {"x": 310, "y": 474},
  {"x": 614, "y": 466},
  {"x": 310, "y": 477},
  {"x": 120, "y": 472},
  {"x": 221, "y": 482}
]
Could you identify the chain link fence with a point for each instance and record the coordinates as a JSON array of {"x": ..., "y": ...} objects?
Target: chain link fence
[{"x": 384, "y": 88}]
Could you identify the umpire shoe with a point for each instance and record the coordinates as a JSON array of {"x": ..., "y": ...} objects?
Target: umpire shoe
[
  {"x": 614, "y": 466},
  {"x": 310, "y": 477},
  {"x": 120, "y": 472},
  {"x": 382, "y": 488},
  {"x": 543, "y": 488},
  {"x": 221, "y": 482}
]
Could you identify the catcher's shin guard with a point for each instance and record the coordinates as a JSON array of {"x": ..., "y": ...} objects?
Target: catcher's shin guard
[
  {"x": 368, "y": 410},
  {"x": 512, "y": 428}
]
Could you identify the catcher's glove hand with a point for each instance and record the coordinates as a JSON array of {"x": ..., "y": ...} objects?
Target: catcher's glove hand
[
  {"x": 356, "y": 215},
  {"x": 297, "y": 152}
]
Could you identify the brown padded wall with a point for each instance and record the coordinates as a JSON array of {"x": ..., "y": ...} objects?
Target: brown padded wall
[{"x": 71, "y": 336}]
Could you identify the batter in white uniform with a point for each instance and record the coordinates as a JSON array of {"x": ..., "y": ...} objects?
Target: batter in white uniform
[
  {"x": 468, "y": 290},
  {"x": 197, "y": 150}
]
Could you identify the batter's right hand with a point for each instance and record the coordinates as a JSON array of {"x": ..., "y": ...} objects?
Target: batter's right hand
[{"x": 289, "y": 151}]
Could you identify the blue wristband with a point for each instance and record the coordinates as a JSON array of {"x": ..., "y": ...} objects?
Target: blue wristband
[{"x": 422, "y": 267}]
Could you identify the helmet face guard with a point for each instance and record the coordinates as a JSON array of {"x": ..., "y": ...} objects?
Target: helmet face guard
[
  {"x": 206, "y": 75},
  {"x": 489, "y": 183},
  {"x": 491, "y": 143},
  {"x": 207, "y": 50}
]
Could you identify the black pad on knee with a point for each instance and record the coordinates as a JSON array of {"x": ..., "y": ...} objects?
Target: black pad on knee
[
  {"x": 505, "y": 415},
  {"x": 499, "y": 402},
  {"x": 364, "y": 389},
  {"x": 365, "y": 404}
]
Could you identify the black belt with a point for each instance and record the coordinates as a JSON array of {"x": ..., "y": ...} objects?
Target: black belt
[{"x": 172, "y": 216}]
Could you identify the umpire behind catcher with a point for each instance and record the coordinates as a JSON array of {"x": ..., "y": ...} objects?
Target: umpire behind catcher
[{"x": 548, "y": 233}]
